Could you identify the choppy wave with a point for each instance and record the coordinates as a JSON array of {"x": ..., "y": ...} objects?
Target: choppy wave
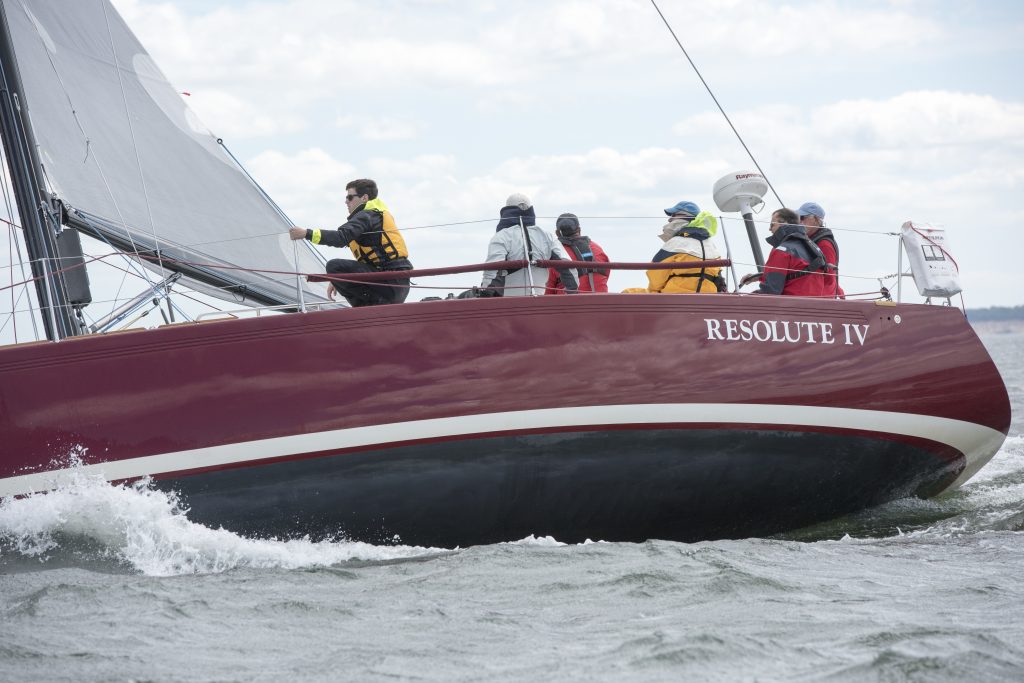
[{"x": 147, "y": 530}]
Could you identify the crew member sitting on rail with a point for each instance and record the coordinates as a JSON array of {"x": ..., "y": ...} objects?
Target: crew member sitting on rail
[
  {"x": 795, "y": 265},
  {"x": 519, "y": 238},
  {"x": 578, "y": 247},
  {"x": 370, "y": 232},
  {"x": 812, "y": 217},
  {"x": 687, "y": 237}
]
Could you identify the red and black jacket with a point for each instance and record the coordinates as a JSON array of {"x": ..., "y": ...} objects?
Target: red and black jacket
[{"x": 795, "y": 265}]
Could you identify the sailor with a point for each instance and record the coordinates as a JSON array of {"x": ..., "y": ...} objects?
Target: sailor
[
  {"x": 687, "y": 237},
  {"x": 370, "y": 232},
  {"x": 812, "y": 217},
  {"x": 795, "y": 265},
  {"x": 578, "y": 247},
  {"x": 517, "y": 237}
]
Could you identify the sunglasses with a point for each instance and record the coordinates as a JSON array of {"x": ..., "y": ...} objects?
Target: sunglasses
[{"x": 350, "y": 197}]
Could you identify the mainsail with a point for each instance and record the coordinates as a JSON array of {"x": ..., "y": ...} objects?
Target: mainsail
[{"x": 133, "y": 164}]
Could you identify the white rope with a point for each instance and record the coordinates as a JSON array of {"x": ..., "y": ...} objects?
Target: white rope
[{"x": 135, "y": 145}]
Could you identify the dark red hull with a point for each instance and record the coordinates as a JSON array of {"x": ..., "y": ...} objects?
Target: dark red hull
[{"x": 615, "y": 417}]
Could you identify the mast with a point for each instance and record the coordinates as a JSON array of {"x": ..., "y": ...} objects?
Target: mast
[{"x": 39, "y": 217}]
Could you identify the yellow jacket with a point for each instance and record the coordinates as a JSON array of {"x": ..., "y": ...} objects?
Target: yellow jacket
[{"x": 689, "y": 242}]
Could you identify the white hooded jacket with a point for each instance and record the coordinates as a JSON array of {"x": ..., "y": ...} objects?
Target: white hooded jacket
[{"x": 508, "y": 245}]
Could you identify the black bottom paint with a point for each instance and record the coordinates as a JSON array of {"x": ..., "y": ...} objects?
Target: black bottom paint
[{"x": 683, "y": 485}]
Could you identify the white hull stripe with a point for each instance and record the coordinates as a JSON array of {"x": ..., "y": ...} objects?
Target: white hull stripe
[{"x": 978, "y": 443}]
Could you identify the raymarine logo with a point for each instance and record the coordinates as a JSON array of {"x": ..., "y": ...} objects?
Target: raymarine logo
[
  {"x": 744, "y": 176},
  {"x": 785, "y": 331}
]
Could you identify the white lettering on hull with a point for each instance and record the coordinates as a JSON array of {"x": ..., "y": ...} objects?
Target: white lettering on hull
[{"x": 784, "y": 331}]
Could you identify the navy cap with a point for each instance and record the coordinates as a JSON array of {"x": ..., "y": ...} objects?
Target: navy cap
[{"x": 567, "y": 224}]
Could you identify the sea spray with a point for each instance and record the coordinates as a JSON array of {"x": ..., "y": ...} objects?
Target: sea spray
[{"x": 148, "y": 530}]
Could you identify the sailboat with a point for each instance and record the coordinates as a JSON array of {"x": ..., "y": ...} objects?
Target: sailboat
[{"x": 463, "y": 421}]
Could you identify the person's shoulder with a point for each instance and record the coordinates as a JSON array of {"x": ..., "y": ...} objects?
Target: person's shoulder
[
  {"x": 364, "y": 216},
  {"x": 503, "y": 235}
]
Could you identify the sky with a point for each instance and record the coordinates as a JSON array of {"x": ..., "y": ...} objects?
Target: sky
[{"x": 880, "y": 111}]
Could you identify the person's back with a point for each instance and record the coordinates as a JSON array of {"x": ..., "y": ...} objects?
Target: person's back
[
  {"x": 509, "y": 244},
  {"x": 688, "y": 242},
  {"x": 687, "y": 238},
  {"x": 578, "y": 247}
]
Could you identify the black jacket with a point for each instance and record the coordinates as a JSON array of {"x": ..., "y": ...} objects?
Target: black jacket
[{"x": 363, "y": 227}]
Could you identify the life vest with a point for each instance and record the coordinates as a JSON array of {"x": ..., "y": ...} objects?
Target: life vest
[
  {"x": 701, "y": 228},
  {"x": 378, "y": 248},
  {"x": 824, "y": 234},
  {"x": 810, "y": 252},
  {"x": 579, "y": 249}
]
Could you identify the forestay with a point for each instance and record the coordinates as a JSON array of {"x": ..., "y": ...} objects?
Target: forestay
[{"x": 120, "y": 147}]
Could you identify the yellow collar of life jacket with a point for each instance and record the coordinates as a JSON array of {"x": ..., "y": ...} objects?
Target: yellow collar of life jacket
[
  {"x": 375, "y": 205},
  {"x": 705, "y": 220}
]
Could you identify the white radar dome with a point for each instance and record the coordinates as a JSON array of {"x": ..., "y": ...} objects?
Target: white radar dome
[{"x": 739, "y": 191}]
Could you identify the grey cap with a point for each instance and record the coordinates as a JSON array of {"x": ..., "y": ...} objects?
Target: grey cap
[{"x": 811, "y": 209}]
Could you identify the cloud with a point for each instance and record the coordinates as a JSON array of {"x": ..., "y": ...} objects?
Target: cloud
[
  {"x": 243, "y": 118},
  {"x": 304, "y": 184},
  {"x": 922, "y": 119},
  {"x": 379, "y": 129},
  {"x": 273, "y": 57}
]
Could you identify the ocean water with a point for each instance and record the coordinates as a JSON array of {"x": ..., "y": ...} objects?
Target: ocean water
[{"x": 114, "y": 583}]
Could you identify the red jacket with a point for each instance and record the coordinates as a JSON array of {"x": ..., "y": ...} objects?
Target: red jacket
[
  {"x": 555, "y": 286},
  {"x": 792, "y": 253},
  {"x": 826, "y": 242}
]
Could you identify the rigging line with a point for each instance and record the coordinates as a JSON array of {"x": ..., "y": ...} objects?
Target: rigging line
[
  {"x": 220, "y": 141},
  {"x": 10, "y": 255},
  {"x": 127, "y": 272},
  {"x": 78, "y": 122},
  {"x": 17, "y": 245},
  {"x": 708, "y": 88},
  {"x": 131, "y": 130}
]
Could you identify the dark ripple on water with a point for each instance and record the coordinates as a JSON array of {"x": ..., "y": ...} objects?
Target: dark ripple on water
[{"x": 112, "y": 583}]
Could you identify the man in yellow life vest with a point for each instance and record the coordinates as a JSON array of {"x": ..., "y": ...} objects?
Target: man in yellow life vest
[
  {"x": 371, "y": 234},
  {"x": 687, "y": 237}
]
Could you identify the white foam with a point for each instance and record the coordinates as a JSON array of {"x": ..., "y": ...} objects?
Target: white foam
[
  {"x": 539, "y": 541},
  {"x": 1009, "y": 460},
  {"x": 146, "y": 529}
]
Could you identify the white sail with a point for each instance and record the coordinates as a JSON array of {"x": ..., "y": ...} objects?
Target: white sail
[{"x": 119, "y": 146}]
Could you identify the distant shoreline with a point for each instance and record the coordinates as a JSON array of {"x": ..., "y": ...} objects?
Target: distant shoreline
[{"x": 996, "y": 314}]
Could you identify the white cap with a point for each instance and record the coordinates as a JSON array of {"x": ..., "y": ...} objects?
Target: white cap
[{"x": 519, "y": 199}]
